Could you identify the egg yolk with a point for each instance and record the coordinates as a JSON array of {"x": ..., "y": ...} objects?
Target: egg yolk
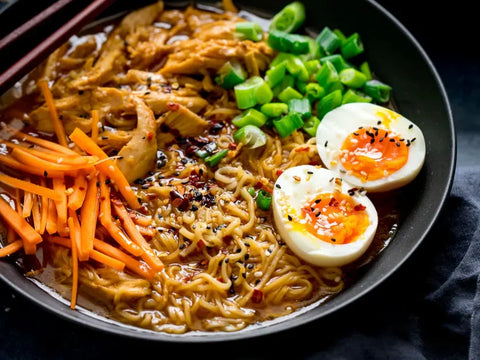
[
  {"x": 335, "y": 218},
  {"x": 372, "y": 154}
]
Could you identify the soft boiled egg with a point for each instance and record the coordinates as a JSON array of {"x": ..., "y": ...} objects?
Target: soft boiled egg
[
  {"x": 323, "y": 220},
  {"x": 371, "y": 146}
]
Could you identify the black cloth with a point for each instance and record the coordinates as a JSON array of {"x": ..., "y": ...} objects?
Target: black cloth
[{"x": 428, "y": 309}]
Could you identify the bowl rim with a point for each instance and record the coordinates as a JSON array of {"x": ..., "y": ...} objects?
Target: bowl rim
[{"x": 98, "y": 323}]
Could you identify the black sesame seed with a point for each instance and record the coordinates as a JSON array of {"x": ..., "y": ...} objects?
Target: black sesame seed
[
  {"x": 317, "y": 201},
  {"x": 278, "y": 186},
  {"x": 250, "y": 266},
  {"x": 289, "y": 218},
  {"x": 398, "y": 144},
  {"x": 410, "y": 126},
  {"x": 244, "y": 275},
  {"x": 181, "y": 246},
  {"x": 326, "y": 143},
  {"x": 381, "y": 139},
  {"x": 45, "y": 173},
  {"x": 310, "y": 172},
  {"x": 247, "y": 256},
  {"x": 392, "y": 140},
  {"x": 379, "y": 122},
  {"x": 412, "y": 140},
  {"x": 104, "y": 137},
  {"x": 227, "y": 260},
  {"x": 333, "y": 240},
  {"x": 356, "y": 134}
]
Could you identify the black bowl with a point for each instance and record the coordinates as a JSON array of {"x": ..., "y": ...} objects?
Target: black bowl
[{"x": 397, "y": 59}]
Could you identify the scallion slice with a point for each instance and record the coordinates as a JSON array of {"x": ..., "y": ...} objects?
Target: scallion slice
[
  {"x": 328, "y": 103},
  {"x": 377, "y": 90},
  {"x": 251, "y": 136},
  {"x": 328, "y": 41},
  {"x": 288, "y": 94},
  {"x": 352, "y": 78},
  {"x": 352, "y": 95},
  {"x": 288, "y": 124},
  {"x": 250, "y": 117},
  {"x": 231, "y": 74},
  {"x": 310, "y": 126},
  {"x": 291, "y": 43},
  {"x": 301, "y": 107},
  {"x": 264, "y": 200},
  {"x": 251, "y": 92},
  {"x": 290, "y": 18},
  {"x": 274, "y": 109},
  {"x": 249, "y": 31},
  {"x": 352, "y": 46},
  {"x": 214, "y": 159}
]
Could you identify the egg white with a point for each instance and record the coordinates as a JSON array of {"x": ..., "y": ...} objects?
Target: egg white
[
  {"x": 293, "y": 189},
  {"x": 344, "y": 120}
]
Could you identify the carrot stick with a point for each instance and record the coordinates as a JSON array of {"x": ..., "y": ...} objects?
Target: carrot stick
[
  {"x": 107, "y": 260},
  {"x": 55, "y": 157},
  {"x": 11, "y": 236},
  {"x": 76, "y": 198},
  {"x": 23, "y": 229},
  {"x": 18, "y": 202},
  {"x": 43, "y": 208},
  {"x": 51, "y": 225},
  {"x": 32, "y": 160},
  {"x": 149, "y": 255},
  {"x": 41, "y": 142},
  {"x": 105, "y": 209},
  {"x": 74, "y": 235},
  {"x": 57, "y": 125},
  {"x": 11, "y": 248},
  {"x": 95, "y": 125},
  {"x": 17, "y": 165},
  {"x": 134, "y": 265},
  {"x": 61, "y": 206},
  {"x": 89, "y": 213},
  {"x": 107, "y": 166},
  {"x": 65, "y": 242},
  {"x": 123, "y": 240},
  {"x": 29, "y": 187},
  {"x": 36, "y": 214}
]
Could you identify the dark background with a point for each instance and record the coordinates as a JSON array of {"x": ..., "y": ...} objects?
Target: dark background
[{"x": 397, "y": 320}]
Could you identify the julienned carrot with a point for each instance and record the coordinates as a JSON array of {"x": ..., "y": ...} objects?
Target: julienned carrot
[
  {"x": 11, "y": 248},
  {"x": 29, "y": 187},
  {"x": 52, "y": 156},
  {"x": 74, "y": 240},
  {"x": 57, "y": 125},
  {"x": 61, "y": 206},
  {"x": 43, "y": 208},
  {"x": 149, "y": 255},
  {"x": 51, "y": 225},
  {"x": 31, "y": 160},
  {"x": 17, "y": 165},
  {"x": 27, "y": 204},
  {"x": 95, "y": 125},
  {"x": 141, "y": 220},
  {"x": 123, "y": 240},
  {"x": 106, "y": 166},
  {"x": 89, "y": 214},
  {"x": 134, "y": 265},
  {"x": 11, "y": 236},
  {"x": 18, "y": 201},
  {"x": 76, "y": 198},
  {"x": 107, "y": 260},
  {"x": 23, "y": 229},
  {"x": 41, "y": 142},
  {"x": 105, "y": 209}
]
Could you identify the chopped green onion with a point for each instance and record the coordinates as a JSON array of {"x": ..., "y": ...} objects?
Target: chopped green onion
[
  {"x": 328, "y": 103},
  {"x": 327, "y": 75},
  {"x": 341, "y": 36},
  {"x": 290, "y": 18},
  {"x": 281, "y": 57},
  {"x": 301, "y": 107},
  {"x": 296, "y": 67},
  {"x": 313, "y": 91},
  {"x": 202, "y": 153},
  {"x": 250, "y": 117},
  {"x": 312, "y": 66},
  {"x": 274, "y": 109},
  {"x": 352, "y": 46},
  {"x": 310, "y": 126},
  {"x": 214, "y": 159},
  {"x": 276, "y": 74},
  {"x": 248, "y": 30},
  {"x": 288, "y": 124},
  {"x": 365, "y": 69},
  {"x": 264, "y": 200},
  {"x": 328, "y": 41},
  {"x": 288, "y": 94},
  {"x": 288, "y": 81},
  {"x": 314, "y": 50},
  {"x": 377, "y": 90},
  {"x": 231, "y": 74},
  {"x": 336, "y": 86},
  {"x": 291, "y": 43},
  {"x": 251, "y": 136},
  {"x": 352, "y": 96},
  {"x": 252, "y": 191},
  {"x": 352, "y": 78},
  {"x": 251, "y": 92},
  {"x": 337, "y": 60}
]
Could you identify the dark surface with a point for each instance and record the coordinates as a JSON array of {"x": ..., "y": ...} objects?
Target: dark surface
[{"x": 425, "y": 310}]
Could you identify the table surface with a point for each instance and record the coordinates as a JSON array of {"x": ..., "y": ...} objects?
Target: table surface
[{"x": 448, "y": 42}]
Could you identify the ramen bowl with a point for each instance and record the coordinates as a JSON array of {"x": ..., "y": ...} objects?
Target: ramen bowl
[{"x": 418, "y": 94}]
